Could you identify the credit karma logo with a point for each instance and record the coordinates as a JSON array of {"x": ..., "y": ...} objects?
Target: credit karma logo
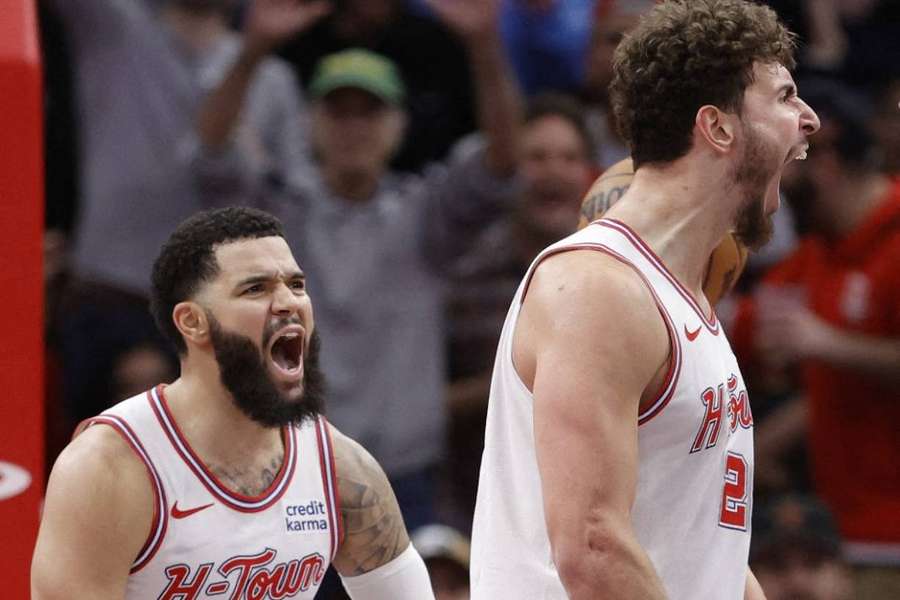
[{"x": 13, "y": 480}]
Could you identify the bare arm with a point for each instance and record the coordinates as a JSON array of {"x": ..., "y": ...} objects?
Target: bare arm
[
  {"x": 586, "y": 403},
  {"x": 97, "y": 516},
  {"x": 497, "y": 95},
  {"x": 268, "y": 23},
  {"x": 789, "y": 334},
  {"x": 374, "y": 532}
]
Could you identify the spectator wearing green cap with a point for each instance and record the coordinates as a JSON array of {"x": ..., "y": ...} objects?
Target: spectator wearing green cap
[{"x": 376, "y": 243}]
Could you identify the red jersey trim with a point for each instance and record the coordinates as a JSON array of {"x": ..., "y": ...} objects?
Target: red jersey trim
[
  {"x": 710, "y": 322},
  {"x": 667, "y": 388},
  {"x": 160, "y": 504},
  {"x": 329, "y": 483},
  {"x": 231, "y": 499}
]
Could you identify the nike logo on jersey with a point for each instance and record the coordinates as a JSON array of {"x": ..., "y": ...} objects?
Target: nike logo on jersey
[
  {"x": 691, "y": 335},
  {"x": 181, "y": 514}
]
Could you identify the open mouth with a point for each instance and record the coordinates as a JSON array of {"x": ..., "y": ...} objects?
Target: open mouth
[
  {"x": 797, "y": 153},
  {"x": 286, "y": 352}
]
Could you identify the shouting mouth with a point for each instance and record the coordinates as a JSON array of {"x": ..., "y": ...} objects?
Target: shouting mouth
[{"x": 285, "y": 353}]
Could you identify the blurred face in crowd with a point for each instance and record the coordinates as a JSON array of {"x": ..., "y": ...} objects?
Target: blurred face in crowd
[
  {"x": 355, "y": 133},
  {"x": 608, "y": 32},
  {"x": 556, "y": 173}
]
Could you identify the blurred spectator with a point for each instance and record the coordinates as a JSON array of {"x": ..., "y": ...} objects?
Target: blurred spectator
[
  {"x": 830, "y": 315},
  {"x": 795, "y": 553},
  {"x": 555, "y": 171},
  {"x": 547, "y": 42},
  {"x": 446, "y": 554},
  {"x": 432, "y": 63},
  {"x": 612, "y": 20},
  {"x": 376, "y": 244},
  {"x": 142, "y": 68}
]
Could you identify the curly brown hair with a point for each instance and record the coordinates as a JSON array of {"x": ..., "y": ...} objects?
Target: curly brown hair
[{"x": 685, "y": 54}]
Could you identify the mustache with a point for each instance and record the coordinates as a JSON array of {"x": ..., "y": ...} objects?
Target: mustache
[{"x": 278, "y": 324}]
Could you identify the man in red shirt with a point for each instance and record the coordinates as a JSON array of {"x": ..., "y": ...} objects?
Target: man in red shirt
[{"x": 832, "y": 310}]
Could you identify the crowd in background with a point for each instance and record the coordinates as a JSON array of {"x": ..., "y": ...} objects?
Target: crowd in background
[{"x": 420, "y": 154}]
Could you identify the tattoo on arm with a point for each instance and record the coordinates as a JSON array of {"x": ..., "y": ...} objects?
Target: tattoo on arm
[{"x": 374, "y": 533}]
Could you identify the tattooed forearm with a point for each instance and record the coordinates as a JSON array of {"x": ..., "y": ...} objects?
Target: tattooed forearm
[{"x": 374, "y": 533}]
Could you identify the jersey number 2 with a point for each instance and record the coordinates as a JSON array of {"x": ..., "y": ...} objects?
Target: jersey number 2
[{"x": 734, "y": 495}]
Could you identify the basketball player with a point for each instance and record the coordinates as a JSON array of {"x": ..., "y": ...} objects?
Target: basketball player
[
  {"x": 228, "y": 481},
  {"x": 618, "y": 460}
]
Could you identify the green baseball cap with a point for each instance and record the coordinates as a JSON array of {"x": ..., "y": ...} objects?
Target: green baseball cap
[{"x": 361, "y": 69}]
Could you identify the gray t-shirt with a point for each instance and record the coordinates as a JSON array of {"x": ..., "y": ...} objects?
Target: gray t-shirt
[
  {"x": 375, "y": 276},
  {"x": 138, "y": 92}
]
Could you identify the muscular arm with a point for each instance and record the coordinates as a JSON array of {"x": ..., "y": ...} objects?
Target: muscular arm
[
  {"x": 97, "y": 515},
  {"x": 374, "y": 533},
  {"x": 589, "y": 340}
]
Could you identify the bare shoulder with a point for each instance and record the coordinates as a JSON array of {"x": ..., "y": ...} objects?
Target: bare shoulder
[
  {"x": 97, "y": 515},
  {"x": 586, "y": 305},
  {"x": 374, "y": 533}
]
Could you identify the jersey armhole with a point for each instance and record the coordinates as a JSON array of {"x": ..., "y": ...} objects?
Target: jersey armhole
[
  {"x": 160, "y": 517},
  {"x": 667, "y": 388},
  {"x": 329, "y": 484}
]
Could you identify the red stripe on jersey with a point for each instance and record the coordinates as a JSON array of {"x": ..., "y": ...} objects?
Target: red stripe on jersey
[
  {"x": 328, "y": 483},
  {"x": 667, "y": 389},
  {"x": 160, "y": 513},
  {"x": 234, "y": 500},
  {"x": 710, "y": 322}
]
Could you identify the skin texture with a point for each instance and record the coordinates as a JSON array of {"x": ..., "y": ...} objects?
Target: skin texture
[{"x": 374, "y": 533}]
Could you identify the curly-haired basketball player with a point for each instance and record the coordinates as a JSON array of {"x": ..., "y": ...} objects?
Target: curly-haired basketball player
[{"x": 618, "y": 460}]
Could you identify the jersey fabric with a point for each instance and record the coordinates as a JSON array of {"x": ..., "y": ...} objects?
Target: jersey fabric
[
  {"x": 692, "y": 509},
  {"x": 209, "y": 542},
  {"x": 854, "y": 285}
]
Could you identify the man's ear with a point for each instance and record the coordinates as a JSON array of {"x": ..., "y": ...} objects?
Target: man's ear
[
  {"x": 716, "y": 128},
  {"x": 191, "y": 321}
]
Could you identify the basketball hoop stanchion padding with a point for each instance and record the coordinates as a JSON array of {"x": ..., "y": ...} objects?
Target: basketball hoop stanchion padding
[{"x": 21, "y": 312}]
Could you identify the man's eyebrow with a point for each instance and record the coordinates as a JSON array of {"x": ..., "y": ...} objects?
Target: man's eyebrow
[
  {"x": 790, "y": 88},
  {"x": 265, "y": 277}
]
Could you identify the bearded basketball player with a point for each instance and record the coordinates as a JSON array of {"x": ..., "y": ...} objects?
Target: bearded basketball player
[
  {"x": 228, "y": 480},
  {"x": 618, "y": 460}
]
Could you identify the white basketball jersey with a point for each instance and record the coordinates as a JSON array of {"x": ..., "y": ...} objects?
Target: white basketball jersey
[
  {"x": 692, "y": 510},
  {"x": 210, "y": 542}
]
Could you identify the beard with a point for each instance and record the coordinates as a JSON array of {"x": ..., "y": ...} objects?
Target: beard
[
  {"x": 752, "y": 226},
  {"x": 243, "y": 372}
]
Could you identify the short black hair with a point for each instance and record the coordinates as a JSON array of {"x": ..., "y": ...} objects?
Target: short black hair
[
  {"x": 566, "y": 107},
  {"x": 187, "y": 259}
]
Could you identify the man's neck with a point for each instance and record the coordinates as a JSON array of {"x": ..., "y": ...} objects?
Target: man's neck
[
  {"x": 214, "y": 426},
  {"x": 682, "y": 210}
]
